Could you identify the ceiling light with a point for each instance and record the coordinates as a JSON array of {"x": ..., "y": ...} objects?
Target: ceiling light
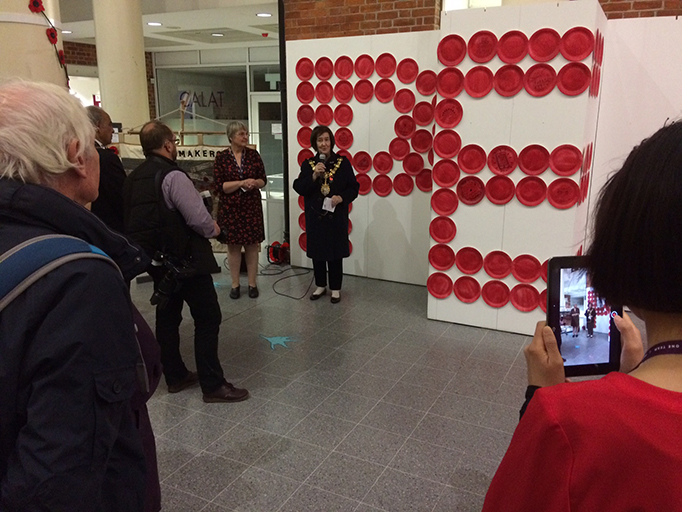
[
  {"x": 154, "y": 24},
  {"x": 218, "y": 35},
  {"x": 264, "y": 15},
  {"x": 66, "y": 32}
]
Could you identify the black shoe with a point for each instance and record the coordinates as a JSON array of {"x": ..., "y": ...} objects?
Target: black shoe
[
  {"x": 191, "y": 379},
  {"x": 253, "y": 292},
  {"x": 336, "y": 300},
  {"x": 315, "y": 297},
  {"x": 226, "y": 393},
  {"x": 234, "y": 293}
]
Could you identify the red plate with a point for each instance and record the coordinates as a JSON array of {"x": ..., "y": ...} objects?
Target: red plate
[
  {"x": 508, "y": 80},
  {"x": 430, "y": 153},
  {"x": 343, "y": 138},
  {"x": 343, "y": 152},
  {"x": 469, "y": 260},
  {"x": 448, "y": 113},
  {"x": 324, "y": 92},
  {"x": 385, "y": 65},
  {"x": 384, "y": 90},
  {"x": 478, "y": 81},
  {"x": 324, "y": 68},
  {"x": 524, "y": 297},
  {"x": 447, "y": 143},
  {"x": 301, "y": 202},
  {"x": 343, "y": 91},
  {"x": 482, "y": 46},
  {"x": 512, "y": 47},
  {"x": 324, "y": 115},
  {"x": 423, "y": 181},
  {"x": 405, "y": 127},
  {"x": 543, "y": 270},
  {"x": 383, "y": 163},
  {"x": 364, "y": 90},
  {"x": 303, "y": 137},
  {"x": 451, "y": 50},
  {"x": 444, "y": 201},
  {"x": 470, "y": 190},
  {"x": 343, "y": 115},
  {"x": 500, "y": 190},
  {"x": 531, "y": 191},
  {"x": 426, "y": 82},
  {"x": 362, "y": 162},
  {"x": 441, "y": 257},
  {"x": 305, "y": 69},
  {"x": 303, "y": 241},
  {"x": 577, "y": 43},
  {"x": 471, "y": 158},
  {"x": 365, "y": 183},
  {"x": 399, "y": 148},
  {"x": 382, "y": 185},
  {"x": 422, "y": 141},
  {"x": 364, "y": 66},
  {"x": 542, "y": 300},
  {"x": 413, "y": 164},
  {"x": 305, "y": 92},
  {"x": 442, "y": 229},
  {"x": 495, "y": 294},
  {"x": 304, "y": 155},
  {"x": 573, "y": 78},
  {"x": 526, "y": 268},
  {"x": 502, "y": 160},
  {"x": 403, "y": 184},
  {"x": 565, "y": 160},
  {"x": 350, "y": 227},
  {"x": 497, "y": 264},
  {"x": 407, "y": 71},
  {"x": 446, "y": 173},
  {"x": 534, "y": 160},
  {"x": 450, "y": 82},
  {"x": 539, "y": 80},
  {"x": 305, "y": 115},
  {"x": 343, "y": 67},
  {"x": 423, "y": 113},
  {"x": 467, "y": 289},
  {"x": 403, "y": 101},
  {"x": 563, "y": 193},
  {"x": 439, "y": 285},
  {"x": 301, "y": 221},
  {"x": 543, "y": 45}
]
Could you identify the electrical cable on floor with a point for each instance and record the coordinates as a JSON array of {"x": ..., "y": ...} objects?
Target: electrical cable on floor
[{"x": 270, "y": 271}]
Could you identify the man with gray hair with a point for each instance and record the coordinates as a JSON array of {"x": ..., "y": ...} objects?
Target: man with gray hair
[
  {"x": 68, "y": 353},
  {"x": 109, "y": 203}
]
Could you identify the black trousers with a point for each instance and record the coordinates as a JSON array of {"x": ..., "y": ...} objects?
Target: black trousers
[
  {"x": 200, "y": 295},
  {"x": 335, "y": 273}
]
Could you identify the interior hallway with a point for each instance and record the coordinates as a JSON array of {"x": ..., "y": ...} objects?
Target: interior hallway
[{"x": 372, "y": 408}]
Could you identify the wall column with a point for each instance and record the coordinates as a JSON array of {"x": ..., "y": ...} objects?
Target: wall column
[
  {"x": 27, "y": 52},
  {"x": 121, "y": 60}
]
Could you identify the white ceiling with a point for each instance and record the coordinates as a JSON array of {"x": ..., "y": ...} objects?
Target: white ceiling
[{"x": 187, "y": 24}]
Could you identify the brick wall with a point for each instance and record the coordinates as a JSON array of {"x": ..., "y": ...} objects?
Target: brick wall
[
  {"x": 80, "y": 54},
  {"x": 313, "y": 19},
  {"x": 642, "y": 8}
]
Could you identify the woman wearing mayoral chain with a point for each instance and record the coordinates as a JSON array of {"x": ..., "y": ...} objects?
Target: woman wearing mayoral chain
[{"x": 328, "y": 185}]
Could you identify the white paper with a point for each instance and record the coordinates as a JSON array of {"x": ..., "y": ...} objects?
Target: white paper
[{"x": 327, "y": 204}]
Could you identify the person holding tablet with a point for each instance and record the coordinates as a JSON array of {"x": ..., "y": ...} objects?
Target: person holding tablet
[{"x": 613, "y": 444}]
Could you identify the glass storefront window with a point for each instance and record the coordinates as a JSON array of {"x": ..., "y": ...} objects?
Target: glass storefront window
[{"x": 265, "y": 78}]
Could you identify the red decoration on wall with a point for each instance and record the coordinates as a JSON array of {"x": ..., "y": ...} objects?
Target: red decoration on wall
[
  {"x": 36, "y": 6},
  {"x": 495, "y": 294},
  {"x": 441, "y": 229},
  {"x": 543, "y": 45},
  {"x": 512, "y": 47},
  {"x": 467, "y": 289},
  {"x": 305, "y": 69},
  {"x": 451, "y": 50},
  {"x": 403, "y": 184},
  {"x": 482, "y": 46},
  {"x": 52, "y": 35},
  {"x": 439, "y": 285},
  {"x": 471, "y": 158},
  {"x": 470, "y": 190},
  {"x": 446, "y": 173}
]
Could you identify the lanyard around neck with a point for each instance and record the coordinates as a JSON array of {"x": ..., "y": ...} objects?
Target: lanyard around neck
[{"x": 665, "y": 348}]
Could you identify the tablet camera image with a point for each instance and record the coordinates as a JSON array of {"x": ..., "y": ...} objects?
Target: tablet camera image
[{"x": 584, "y": 319}]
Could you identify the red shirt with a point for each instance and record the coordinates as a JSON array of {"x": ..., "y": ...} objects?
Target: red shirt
[{"x": 612, "y": 444}]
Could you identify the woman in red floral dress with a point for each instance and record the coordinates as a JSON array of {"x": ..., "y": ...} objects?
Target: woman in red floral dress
[{"x": 239, "y": 175}]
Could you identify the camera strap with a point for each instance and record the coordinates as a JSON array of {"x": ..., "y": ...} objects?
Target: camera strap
[{"x": 26, "y": 263}]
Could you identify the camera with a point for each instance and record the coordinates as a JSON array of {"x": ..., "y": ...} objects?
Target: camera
[{"x": 176, "y": 270}]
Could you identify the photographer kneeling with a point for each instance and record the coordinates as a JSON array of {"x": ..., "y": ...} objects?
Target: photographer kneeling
[{"x": 613, "y": 443}]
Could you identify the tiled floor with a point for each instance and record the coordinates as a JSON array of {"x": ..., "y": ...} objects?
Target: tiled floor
[{"x": 372, "y": 408}]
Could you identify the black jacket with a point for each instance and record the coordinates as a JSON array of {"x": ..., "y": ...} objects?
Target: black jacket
[
  {"x": 150, "y": 223},
  {"x": 109, "y": 203},
  {"x": 68, "y": 360},
  {"x": 327, "y": 232}
]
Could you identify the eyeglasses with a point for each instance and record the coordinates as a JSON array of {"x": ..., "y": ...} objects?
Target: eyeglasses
[{"x": 175, "y": 141}]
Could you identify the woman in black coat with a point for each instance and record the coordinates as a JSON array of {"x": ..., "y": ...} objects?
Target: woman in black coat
[{"x": 327, "y": 183}]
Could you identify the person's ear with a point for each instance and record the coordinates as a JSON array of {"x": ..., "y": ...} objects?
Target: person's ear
[{"x": 78, "y": 160}]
